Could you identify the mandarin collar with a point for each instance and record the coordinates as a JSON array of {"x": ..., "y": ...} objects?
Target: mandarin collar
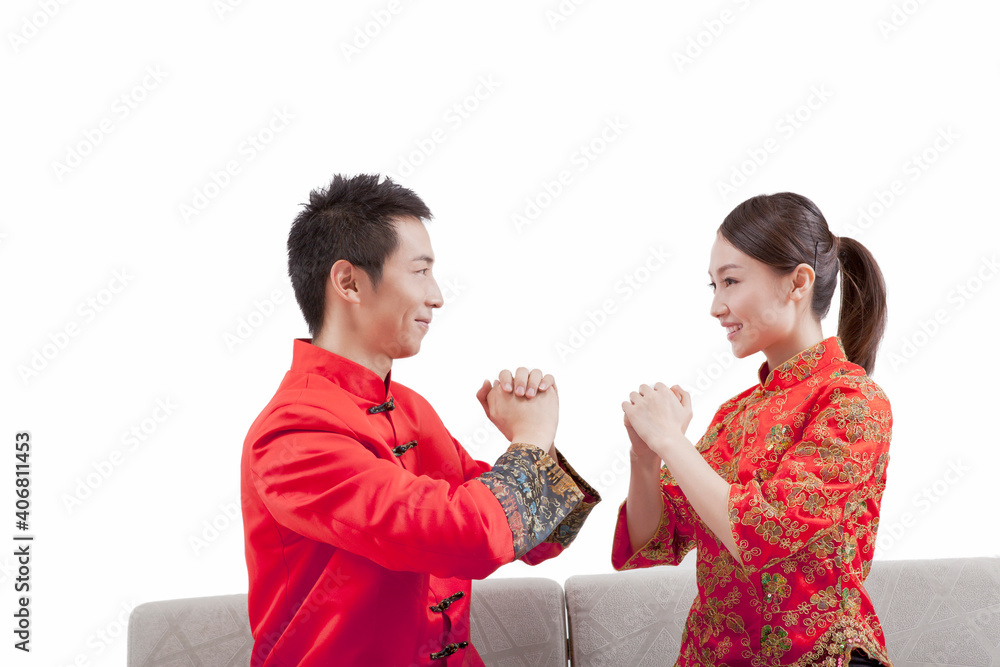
[
  {"x": 350, "y": 375},
  {"x": 802, "y": 365}
]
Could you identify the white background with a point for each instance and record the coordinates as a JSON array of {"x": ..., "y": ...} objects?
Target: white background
[{"x": 118, "y": 115}]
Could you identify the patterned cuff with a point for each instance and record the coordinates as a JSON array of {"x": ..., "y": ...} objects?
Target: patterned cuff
[
  {"x": 533, "y": 491},
  {"x": 567, "y": 530}
]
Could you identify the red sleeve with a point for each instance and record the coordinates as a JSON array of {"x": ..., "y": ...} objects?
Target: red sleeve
[
  {"x": 330, "y": 488},
  {"x": 824, "y": 482},
  {"x": 678, "y": 530},
  {"x": 674, "y": 536}
]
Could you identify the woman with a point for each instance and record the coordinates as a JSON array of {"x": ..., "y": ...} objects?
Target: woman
[{"x": 781, "y": 495}]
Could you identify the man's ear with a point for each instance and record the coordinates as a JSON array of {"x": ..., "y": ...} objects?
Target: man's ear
[{"x": 344, "y": 281}]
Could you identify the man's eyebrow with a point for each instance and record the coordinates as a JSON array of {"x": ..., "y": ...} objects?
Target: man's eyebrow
[
  {"x": 424, "y": 258},
  {"x": 724, "y": 267}
]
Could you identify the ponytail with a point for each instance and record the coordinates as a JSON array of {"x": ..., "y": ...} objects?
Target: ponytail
[{"x": 863, "y": 313}]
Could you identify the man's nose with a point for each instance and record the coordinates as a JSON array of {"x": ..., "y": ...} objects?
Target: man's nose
[{"x": 435, "y": 299}]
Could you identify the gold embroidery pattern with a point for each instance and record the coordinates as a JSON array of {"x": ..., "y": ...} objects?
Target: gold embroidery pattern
[{"x": 806, "y": 453}]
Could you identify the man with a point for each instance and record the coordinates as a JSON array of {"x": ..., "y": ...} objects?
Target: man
[{"x": 364, "y": 519}]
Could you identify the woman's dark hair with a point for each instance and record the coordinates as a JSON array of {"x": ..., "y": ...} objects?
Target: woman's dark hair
[
  {"x": 351, "y": 219},
  {"x": 784, "y": 230}
]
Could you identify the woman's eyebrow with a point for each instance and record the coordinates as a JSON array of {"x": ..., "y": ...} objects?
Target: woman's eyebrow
[{"x": 724, "y": 267}]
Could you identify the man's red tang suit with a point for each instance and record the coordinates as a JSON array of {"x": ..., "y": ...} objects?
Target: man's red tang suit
[{"x": 365, "y": 520}]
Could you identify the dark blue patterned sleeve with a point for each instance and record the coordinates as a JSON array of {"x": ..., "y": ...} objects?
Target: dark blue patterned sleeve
[
  {"x": 568, "y": 529},
  {"x": 542, "y": 500}
]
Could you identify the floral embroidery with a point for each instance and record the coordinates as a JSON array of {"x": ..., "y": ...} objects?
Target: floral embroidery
[
  {"x": 774, "y": 641},
  {"x": 775, "y": 586},
  {"x": 805, "y": 452}
]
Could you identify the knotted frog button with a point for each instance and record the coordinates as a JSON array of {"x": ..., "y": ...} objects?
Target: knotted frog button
[{"x": 382, "y": 407}]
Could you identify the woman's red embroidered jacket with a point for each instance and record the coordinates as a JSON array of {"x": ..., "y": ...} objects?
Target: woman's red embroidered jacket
[
  {"x": 805, "y": 451},
  {"x": 365, "y": 520}
]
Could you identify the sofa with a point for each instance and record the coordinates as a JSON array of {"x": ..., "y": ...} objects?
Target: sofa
[{"x": 933, "y": 612}]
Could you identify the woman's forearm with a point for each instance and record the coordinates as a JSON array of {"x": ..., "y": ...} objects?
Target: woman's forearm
[
  {"x": 704, "y": 488},
  {"x": 644, "y": 506}
]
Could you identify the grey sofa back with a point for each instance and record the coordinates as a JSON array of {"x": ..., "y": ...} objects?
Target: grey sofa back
[{"x": 934, "y": 612}]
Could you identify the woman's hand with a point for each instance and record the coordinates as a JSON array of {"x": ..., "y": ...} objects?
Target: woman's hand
[
  {"x": 655, "y": 415},
  {"x": 641, "y": 453}
]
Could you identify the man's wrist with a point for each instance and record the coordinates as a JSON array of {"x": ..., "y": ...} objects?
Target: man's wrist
[{"x": 535, "y": 439}]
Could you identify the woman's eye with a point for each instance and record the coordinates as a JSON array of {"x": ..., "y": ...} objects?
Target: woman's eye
[{"x": 725, "y": 280}]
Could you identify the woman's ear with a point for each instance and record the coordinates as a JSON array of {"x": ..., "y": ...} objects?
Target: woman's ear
[
  {"x": 344, "y": 281},
  {"x": 803, "y": 279}
]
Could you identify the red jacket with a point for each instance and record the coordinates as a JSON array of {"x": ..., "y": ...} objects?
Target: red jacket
[
  {"x": 805, "y": 451},
  {"x": 365, "y": 520}
]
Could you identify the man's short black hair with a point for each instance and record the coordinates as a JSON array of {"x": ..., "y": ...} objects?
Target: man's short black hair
[{"x": 351, "y": 219}]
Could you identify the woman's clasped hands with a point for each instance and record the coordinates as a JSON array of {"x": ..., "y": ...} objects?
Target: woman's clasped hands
[{"x": 656, "y": 418}]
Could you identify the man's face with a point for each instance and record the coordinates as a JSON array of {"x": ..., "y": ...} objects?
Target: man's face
[{"x": 396, "y": 317}]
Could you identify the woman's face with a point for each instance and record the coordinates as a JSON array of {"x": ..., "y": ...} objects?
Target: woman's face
[{"x": 746, "y": 293}]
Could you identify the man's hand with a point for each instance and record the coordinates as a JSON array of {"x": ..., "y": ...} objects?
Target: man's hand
[{"x": 524, "y": 406}]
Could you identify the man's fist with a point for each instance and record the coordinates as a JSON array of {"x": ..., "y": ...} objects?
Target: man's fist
[{"x": 531, "y": 417}]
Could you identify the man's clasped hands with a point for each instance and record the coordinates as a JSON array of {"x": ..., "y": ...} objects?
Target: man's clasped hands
[{"x": 524, "y": 405}]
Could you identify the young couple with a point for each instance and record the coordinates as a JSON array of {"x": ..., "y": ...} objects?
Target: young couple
[{"x": 365, "y": 520}]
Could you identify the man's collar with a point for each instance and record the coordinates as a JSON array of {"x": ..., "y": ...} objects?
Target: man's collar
[
  {"x": 350, "y": 375},
  {"x": 802, "y": 365}
]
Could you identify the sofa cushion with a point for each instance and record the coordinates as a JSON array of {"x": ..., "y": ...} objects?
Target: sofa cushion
[
  {"x": 517, "y": 621},
  {"x": 933, "y": 612}
]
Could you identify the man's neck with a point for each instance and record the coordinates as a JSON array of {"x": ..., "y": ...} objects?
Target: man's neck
[{"x": 347, "y": 347}]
